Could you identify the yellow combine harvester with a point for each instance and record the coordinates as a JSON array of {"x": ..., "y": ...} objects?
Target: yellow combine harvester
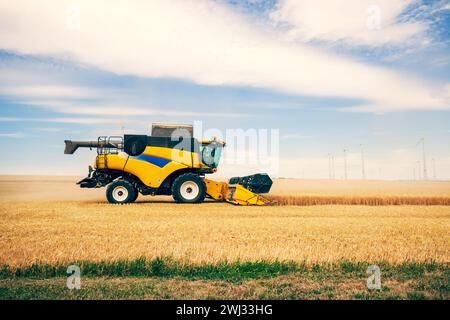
[{"x": 169, "y": 162}]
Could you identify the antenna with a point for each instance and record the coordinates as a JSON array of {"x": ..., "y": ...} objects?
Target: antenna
[
  {"x": 363, "y": 169},
  {"x": 121, "y": 128},
  {"x": 345, "y": 164},
  {"x": 425, "y": 175}
]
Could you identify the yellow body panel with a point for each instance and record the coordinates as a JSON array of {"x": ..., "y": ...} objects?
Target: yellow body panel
[
  {"x": 190, "y": 159},
  {"x": 216, "y": 190},
  {"x": 150, "y": 174},
  {"x": 237, "y": 194}
]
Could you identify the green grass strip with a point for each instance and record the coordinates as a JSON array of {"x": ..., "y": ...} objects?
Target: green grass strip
[{"x": 229, "y": 271}]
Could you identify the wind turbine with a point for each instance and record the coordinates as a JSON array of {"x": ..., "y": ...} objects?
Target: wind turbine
[
  {"x": 345, "y": 164},
  {"x": 419, "y": 166},
  {"x": 329, "y": 166},
  {"x": 332, "y": 164},
  {"x": 434, "y": 168},
  {"x": 425, "y": 175},
  {"x": 362, "y": 163}
]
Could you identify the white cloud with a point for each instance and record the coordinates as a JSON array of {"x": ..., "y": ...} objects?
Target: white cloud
[
  {"x": 205, "y": 42},
  {"x": 49, "y": 130},
  {"x": 47, "y": 91},
  {"x": 61, "y": 99},
  {"x": 64, "y": 120},
  {"x": 14, "y": 135},
  {"x": 356, "y": 22},
  {"x": 445, "y": 7},
  {"x": 440, "y": 61},
  {"x": 126, "y": 110}
]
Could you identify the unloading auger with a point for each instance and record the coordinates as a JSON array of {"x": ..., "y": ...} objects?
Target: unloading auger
[{"x": 163, "y": 165}]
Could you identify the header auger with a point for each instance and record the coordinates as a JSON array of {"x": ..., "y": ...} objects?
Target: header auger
[{"x": 163, "y": 165}]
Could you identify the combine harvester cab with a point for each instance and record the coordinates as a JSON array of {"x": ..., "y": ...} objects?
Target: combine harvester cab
[{"x": 163, "y": 165}]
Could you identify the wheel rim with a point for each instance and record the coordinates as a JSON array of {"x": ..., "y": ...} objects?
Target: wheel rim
[
  {"x": 189, "y": 190},
  {"x": 120, "y": 193}
]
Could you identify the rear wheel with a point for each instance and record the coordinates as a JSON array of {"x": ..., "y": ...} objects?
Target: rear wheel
[
  {"x": 120, "y": 192},
  {"x": 189, "y": 188}
]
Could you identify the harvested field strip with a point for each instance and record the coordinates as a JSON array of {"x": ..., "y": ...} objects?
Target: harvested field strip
[
  {"x": 223, "y": 270},
  {"x": 359, "y": 200}
]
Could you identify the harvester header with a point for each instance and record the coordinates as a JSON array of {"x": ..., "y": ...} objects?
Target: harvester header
[{"x": 168, "y": 162}]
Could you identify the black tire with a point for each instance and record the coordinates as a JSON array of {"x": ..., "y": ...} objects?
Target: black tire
[
  {"x": 136, "y": 194},
  {"x": 189, "y": 188},
  {"x": 120, "y": 192}
]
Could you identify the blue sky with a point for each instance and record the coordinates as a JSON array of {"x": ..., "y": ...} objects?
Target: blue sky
[{"x": 329, "y": 75}]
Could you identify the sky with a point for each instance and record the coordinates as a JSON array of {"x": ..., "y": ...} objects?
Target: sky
[{"x": 320, "y": 76}]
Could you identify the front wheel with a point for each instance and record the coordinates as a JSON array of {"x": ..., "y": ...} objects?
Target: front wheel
[
  {"x": 120, "y": 192},
  {"x": 189, "y": 188}
]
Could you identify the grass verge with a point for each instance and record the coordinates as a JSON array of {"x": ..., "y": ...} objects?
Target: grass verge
[
  {"x": 164, "y": 278},
  {"x": 158, "y": 267}
]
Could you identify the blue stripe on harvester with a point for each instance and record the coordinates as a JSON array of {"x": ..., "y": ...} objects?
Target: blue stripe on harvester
[{"x": 160, "y": 162}]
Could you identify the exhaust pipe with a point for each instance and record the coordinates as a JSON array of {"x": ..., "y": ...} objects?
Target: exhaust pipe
[{"x": 72, "y": 146}]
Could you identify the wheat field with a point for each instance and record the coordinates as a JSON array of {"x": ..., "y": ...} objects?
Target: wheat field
[
  {"x": 281, "y": 200},
  {"x": 284, "y": 191},
  {"x": 34, "y": 227},
  {"x": 368, "y": 192},
  {"x": 63, "y": 232}
]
